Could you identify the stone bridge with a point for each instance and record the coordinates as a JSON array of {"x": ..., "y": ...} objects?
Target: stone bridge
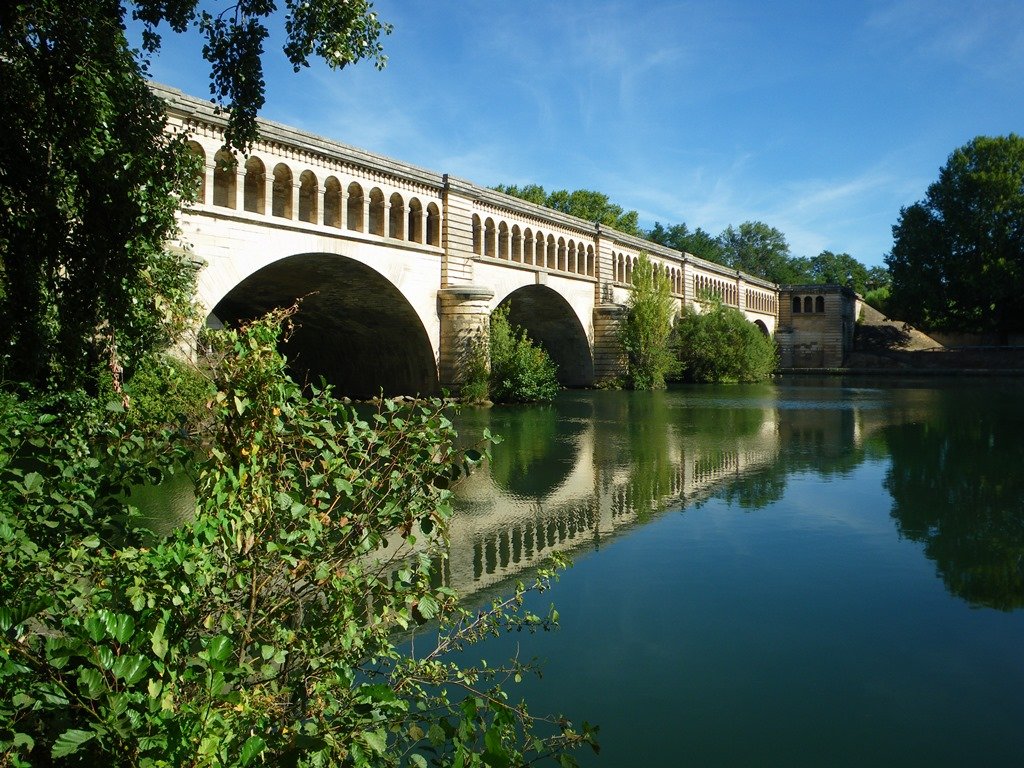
[{"x": 402, "y": 266}]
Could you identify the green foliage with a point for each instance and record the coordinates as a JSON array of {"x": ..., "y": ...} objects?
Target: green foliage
[
  {"x": 647, "y": 328},
  {"x": 678, "y": 236},
  {"x": 957, "y": 260},
  {"x": 263, "y": 629},
  {"x": 761, "y": 250},
  {"x": 585, "y": 204},
  {"x": 167, "y": 391},
  {"x": 838, "y": 269},
  {"x": 879, "y": 299},
  {"x": 340, "y": 32},
  {"x": 718, "y": 344},
  {"x": 89, "y": 185},
  {"x": 521, "y": 371}
]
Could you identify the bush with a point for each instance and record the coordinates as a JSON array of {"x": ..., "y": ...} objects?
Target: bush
[
  {"x": 166, "y": 391},
  {"x": 520, "y": 371},
  {"x": 647, "y": 329},
  {"x": 719, "y": 344},
  {"x": 263, "y": 629}
]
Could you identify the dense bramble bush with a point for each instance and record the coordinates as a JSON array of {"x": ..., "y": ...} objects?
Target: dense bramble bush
[{"x": 263, "y": 629}]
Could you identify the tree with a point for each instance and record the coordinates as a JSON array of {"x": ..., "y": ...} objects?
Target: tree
[
  {"x": 760, "y": 250},
  {"x": 89, "y": 186},
  {"x": 582, "y": 203},
  {"x": 957, "y": 260},
  {"x": 90, "y": 180},
  {"x": 678, "y": 236},
  {"x": 717, "y": 343},
  {"x": 647, "y": 328},
  {"x": 838, "y": 269}
]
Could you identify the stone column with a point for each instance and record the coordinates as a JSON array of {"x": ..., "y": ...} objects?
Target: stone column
[
  {"x": 268, "y": 194},
  {"x": 609, "y": 355},
  {"x": 343, "y": 213},
  {"x": 465, "y": 319},
  {"x": 296, "y": 187},
  {"x": 206, "y": 193},
  {"x": 239, "y": 202},
  {"x": 320, "y": 217}
]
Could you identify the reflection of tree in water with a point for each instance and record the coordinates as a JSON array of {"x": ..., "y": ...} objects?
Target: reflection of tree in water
[
  {"x": 958, "y": 488},
  {"x": 756, "y": 490}
]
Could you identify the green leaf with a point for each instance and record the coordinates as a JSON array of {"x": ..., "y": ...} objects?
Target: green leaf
[
  {"x": 418, "y": 760},
  {"x": 91, "y": 682},
  {"x": 69, "y": 742},
  {"x": 158, "y": 642},
  {"x": 131, "y": 669},
  {"x": 219, "y": 648},
  {"x": 124, "y": 628},
  {"x": 375, "y": 740},
  {"x": 253, "y": 746}
]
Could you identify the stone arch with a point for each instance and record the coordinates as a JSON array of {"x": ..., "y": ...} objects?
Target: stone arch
[
  {"x": 224, "y": 179},
  {"x": 819, "y": 303},
  {"x": 628, "y": 277},
  {"x": 433, "y": 225},
  {"x": 197, "y": 149},
  {"x": 517, "y": 243},
  {"x": 478, "y": 235},
  {"x": 808, "y": 305},
  {"x": 255, "y": 192},
  {"x": 332, "y": 202},
  {"x": 489, "y": 238},
  {"x": 355, "y": 207},
  {"x": 590, "y": 261},
  {"x": 414, "y": 229},
  {"x": 308, "y": 192},
  {"x": 282, "y": 198},
  {"x": 376, "y": 223},
  {"x": 539, "y": 249},
  {"x": 552, "y": 253},
  {"x": 503, "y": 241},
  {"x": 797, "y": 305},
  {"x": 551, "y": 322},
  {"x": 396, "y": 217},
  {"x": 528, "y": 246},
  {"x": 560, "y": 258},
  {"x": 355, "y": 327},
  {"x": 762, "y": 328}
]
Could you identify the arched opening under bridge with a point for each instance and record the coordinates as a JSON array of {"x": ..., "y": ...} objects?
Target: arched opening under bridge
[
  {"x": 354, "y": 328},
  {"x": 550, "y": 322}
]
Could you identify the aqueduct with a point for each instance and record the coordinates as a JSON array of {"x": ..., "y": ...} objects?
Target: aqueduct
[{"x": 402, "y": 266}]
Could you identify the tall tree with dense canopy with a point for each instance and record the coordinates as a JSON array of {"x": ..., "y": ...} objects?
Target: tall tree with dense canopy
[
  {"x": 678, "y": 236},
  {"x": 838, "y": 269},
  {"x": 957, "y": 260},
  {"x": 759, "y": 249},
  {"x": 647, "y": 328},
  {"x": 582, "y": 203},
  {"x": 90, "y": 180}
]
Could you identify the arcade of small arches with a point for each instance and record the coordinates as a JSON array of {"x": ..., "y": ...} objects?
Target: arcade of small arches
[
  {"x": 531, "y": 247},
  {"x": 347, "y": 208},
  {"x": 808, "y": 304}
]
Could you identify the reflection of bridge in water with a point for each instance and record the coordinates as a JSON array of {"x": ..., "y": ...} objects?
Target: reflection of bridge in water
[{"x": 496, "y": 533}]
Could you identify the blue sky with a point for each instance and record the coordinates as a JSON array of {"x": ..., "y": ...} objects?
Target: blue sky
[{"x": 820, "y": 118}]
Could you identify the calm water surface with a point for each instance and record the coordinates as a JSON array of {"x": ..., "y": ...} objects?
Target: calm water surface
[{"x": 806, "y": 573}]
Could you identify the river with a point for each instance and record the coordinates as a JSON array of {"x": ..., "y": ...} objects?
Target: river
[{"x": 803, "y": 573}]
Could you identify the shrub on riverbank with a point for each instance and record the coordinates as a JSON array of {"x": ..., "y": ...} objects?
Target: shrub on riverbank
[
  {"x": 262, "y": 630},
  {"x": 520, "y": 371},
  {"x": 718, "y": 344}
]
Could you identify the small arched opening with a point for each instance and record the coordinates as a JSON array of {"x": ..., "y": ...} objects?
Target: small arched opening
[
  {"x": 396, "y": 217},
  {"x": 433, "y": 225},
  {"x": 762, "y": 328},
  {"x": 282, "y": 199},
  {"x": 200, "y": 178},
  {"x": 355, "y": 208},
  {"x": 255, "y": 192},
  {"x": 414, "y": 228},
  {"x": 819, "y": 303},
  {"x": 308, "y": 193},
  {"x": 332, "y": 202},
  {"x": 224, "y": 179},
  {"x": 376, "y": 223}
]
